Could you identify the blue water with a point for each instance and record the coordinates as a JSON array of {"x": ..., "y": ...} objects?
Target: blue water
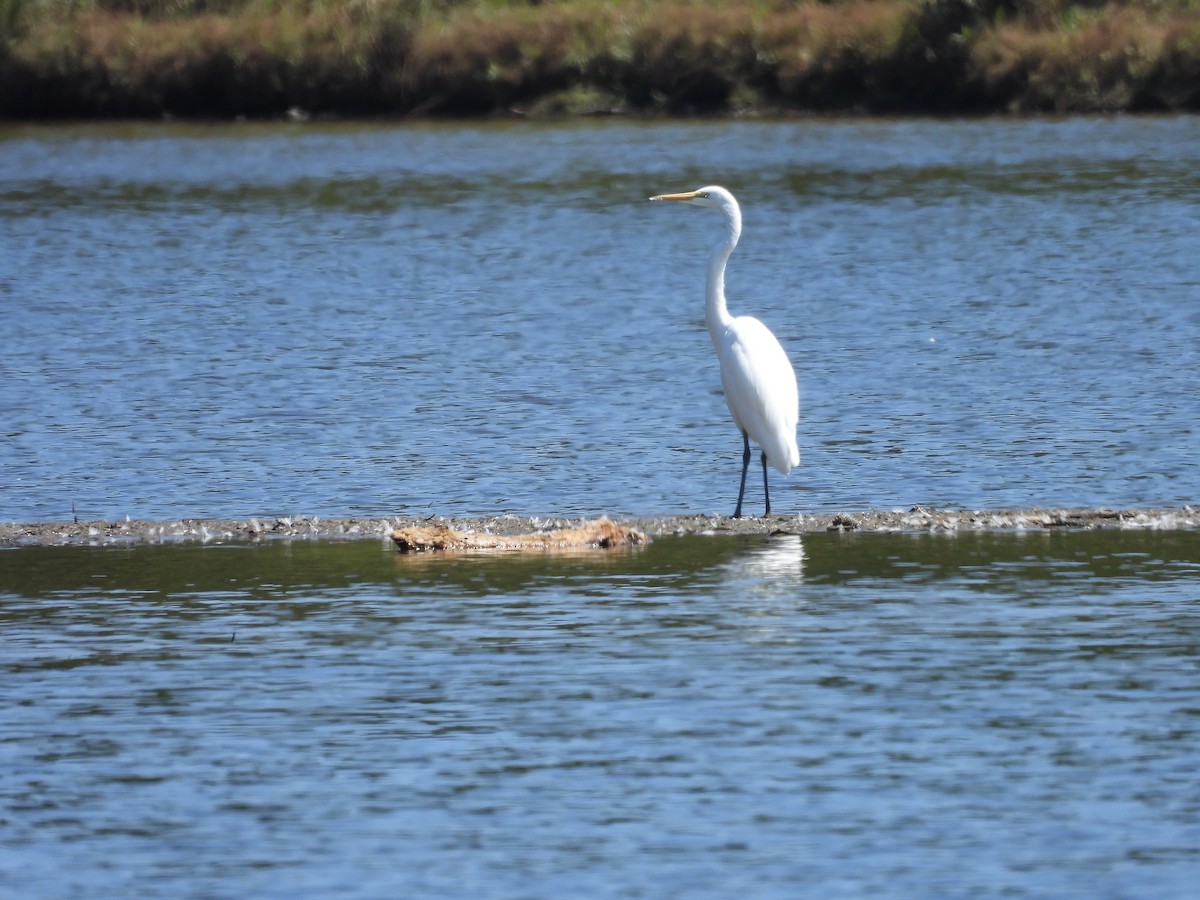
[
  {"x": 360, "y": 320},
  {"x": 204, "y": 321},
  {"x": 836, "y": 716}
]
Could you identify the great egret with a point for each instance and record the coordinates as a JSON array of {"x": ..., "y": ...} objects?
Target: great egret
[{"x": 758, "y": 379}]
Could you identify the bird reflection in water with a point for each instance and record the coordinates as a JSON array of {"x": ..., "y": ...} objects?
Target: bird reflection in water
[{"x": 774, "y": 569}]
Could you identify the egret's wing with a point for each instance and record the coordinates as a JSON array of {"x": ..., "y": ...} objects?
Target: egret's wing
[{"x": 760, "y": 388}]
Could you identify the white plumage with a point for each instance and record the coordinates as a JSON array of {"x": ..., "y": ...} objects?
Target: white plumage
[{"x": 756, "y": 375}]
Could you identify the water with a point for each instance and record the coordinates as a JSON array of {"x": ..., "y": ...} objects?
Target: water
[
  {"x": 353, "y": 320},
  {"x": 851, "y": 716},
  {"x": 211, "y": 321}
]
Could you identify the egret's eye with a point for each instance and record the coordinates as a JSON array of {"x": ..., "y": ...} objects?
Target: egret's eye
[{"x": 703, "y": 195}]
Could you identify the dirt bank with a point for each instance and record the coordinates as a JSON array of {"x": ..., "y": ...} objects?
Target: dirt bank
[{"x": 917, "y": 519}]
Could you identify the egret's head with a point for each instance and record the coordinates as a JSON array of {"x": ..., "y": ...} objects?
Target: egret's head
[
  {"x": 713, "y": 195},
  {"x": 716, "y": 198}
]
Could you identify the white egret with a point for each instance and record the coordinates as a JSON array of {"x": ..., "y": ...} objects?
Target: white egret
[{"x": 758, "y": 379}]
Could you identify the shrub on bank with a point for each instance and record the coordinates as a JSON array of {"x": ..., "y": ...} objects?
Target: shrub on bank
[
  {"x": 1114, "y": 59},
  {"x": 113, "y": 64}
]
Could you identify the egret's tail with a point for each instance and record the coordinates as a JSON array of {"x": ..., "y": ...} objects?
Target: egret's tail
[{"x": 784, "y": 459}]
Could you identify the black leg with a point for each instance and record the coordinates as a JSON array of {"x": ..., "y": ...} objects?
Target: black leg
[
  {"x": 766, "y": 493},
  {"x": 737, "y": 513}
]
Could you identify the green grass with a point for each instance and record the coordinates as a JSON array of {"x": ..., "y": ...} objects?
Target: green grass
[{"x": 224, "y": 58}]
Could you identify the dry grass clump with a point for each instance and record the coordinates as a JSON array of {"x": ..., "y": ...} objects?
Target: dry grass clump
[
  {"x": 479, "y": 60},
  {"x": 836, "y": 57},
  {"x": 675, "y": 57},
  {"x": 320, "y": 58},
  {"x": 1110, "y": 59}
]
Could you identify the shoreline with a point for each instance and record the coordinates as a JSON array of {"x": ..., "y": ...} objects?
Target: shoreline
[
  {"x": 917, "y": 520},
  {"x": 297, "y": 61}
]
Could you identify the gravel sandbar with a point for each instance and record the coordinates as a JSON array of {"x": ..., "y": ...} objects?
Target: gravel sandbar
[{"x": 916, "y": 519}]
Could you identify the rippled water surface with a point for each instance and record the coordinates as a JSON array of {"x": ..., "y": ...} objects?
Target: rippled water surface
[
  {"x": 473, "y": 320},
  {"x": 900, "y": 716},
  {"x": 360, "y": 320}
]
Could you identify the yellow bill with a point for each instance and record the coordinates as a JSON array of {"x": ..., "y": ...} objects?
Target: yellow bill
[{"x": 686, "y": 195}]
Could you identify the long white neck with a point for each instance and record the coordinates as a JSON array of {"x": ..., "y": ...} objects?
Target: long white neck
[{"x": 716, "y": 314}]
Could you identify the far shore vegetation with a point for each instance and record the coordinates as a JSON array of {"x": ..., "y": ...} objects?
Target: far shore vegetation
[{"x": 353, "y": 58}]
